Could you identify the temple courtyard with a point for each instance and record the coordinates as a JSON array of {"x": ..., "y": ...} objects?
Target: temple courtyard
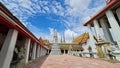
[{"x": 69, "y": 61}]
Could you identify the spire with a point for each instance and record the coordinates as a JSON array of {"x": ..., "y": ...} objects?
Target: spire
[
  {"x": 73, "y": 36},
  {"x": 61, "y": 39},
  {"x": 55, "y": 37},
  {"x": 55, "y": 33},
  {"x": 64, "y": 38}
]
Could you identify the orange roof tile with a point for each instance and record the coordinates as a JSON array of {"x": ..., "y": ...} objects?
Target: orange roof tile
[{"x": 81, "y": 39}]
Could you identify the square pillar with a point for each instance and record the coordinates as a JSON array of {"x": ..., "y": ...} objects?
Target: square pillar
[
  {"x": 48, "y": 51},
  {"x": 38, "y": 51},
  {"x": 106, "y": 31},
  {"x": 118, "y": 14},
  {"x": 92, "y": 40},
  {"x": 41, "y": 51},
  {"x": 7, "y": 50},
  {"x": 27, "y": 49},
  {"x": 115, "y": 26},
  {"x": 64, "y": 51},
  {"x": 97, "y": 29},
  {"x": 34, "y": 51},
  {"x": 45, "y": 51}
]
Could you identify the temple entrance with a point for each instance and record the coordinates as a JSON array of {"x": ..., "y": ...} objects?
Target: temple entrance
[
  {"x": 66, "y": 51},
  {"x": 62, "y": 51}
]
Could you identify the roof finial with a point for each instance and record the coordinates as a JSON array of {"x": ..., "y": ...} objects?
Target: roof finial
[
  {"x": 64, "y": 37},
  {"x": 73, "y": 36},
  {"x": 61, "y": 39},
  {"x": 55, "y": 38}
]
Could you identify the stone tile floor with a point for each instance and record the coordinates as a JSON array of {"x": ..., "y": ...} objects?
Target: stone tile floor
[{"x": 68, "y": 61}]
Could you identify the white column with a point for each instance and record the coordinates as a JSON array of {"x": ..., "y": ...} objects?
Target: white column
[
  {"x": 92, "y": 40},
  {"x": 115, "y": 26},
  {"x": 118, "y": 13},
  {"x": 68, "y": 51},
  {"x": 41, "y": 51},
  {"x": 106, "y": 31},
  {"x": 7, "y": 50},
  {"x": 34, "y": 51},
  {"x": 48, "y": 51},
  {"x": 97, "y": 29},
  {"x": 38, "y": 51},
  {"x": 76, "y": 52},
  {"x": 64, "y": 51},
  {"x": 27, "y": 49},
  {"x": 44, "y": 51}
]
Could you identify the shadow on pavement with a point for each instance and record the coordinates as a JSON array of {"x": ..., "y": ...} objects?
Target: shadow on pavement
[{"x": 37, "y": 63}]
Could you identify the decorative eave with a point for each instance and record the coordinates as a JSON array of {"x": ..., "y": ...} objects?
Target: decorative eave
[
  {"x": 12, "y": 22},
  {"x": 82, "y": 39},
  {"x": 110, "y": 5}
]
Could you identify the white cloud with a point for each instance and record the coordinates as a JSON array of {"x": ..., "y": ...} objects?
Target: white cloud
[
  {"x": 79, "y": 12},
  {"x": 75, "y": 13},
  {"x": 77, "y": 6},
  {"x": 46, "y": 8},
  {"x": 54, "y": 10},
  {"x": 69, "y": 34}
]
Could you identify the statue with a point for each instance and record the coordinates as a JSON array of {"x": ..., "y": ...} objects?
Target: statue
[
  {"x": 18, "y": 58},
  {"x": 111, "y": 55}
]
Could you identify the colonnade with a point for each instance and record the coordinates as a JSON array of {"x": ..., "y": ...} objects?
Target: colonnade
[
  {"x": 110, "y": 19},
  {"x": 109, "y": 25},
  {"x": 17, "y": 43},
  {"x": 11, "y": 42}
]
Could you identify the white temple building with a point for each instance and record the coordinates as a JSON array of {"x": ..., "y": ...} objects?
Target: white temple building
[{"x": 106, "y": 21}]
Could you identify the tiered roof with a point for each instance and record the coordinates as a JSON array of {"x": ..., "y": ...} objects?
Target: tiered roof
[{"x": 81, "y": 39}]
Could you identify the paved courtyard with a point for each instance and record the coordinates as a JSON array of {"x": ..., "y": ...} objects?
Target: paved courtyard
[{"x": 68, "y": 61}]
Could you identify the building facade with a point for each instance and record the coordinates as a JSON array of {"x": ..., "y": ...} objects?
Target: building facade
[
  {"x": 17, "y": 44},
  {"x": 106, "y": 21}
]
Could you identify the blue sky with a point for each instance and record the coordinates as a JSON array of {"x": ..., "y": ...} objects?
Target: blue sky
[{"x": 66, "y": 16}]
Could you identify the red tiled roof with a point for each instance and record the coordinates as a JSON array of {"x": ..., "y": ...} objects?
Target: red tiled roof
[
  {"x": 41, "y": 41},
  {"x": 13, "y": 22}
]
